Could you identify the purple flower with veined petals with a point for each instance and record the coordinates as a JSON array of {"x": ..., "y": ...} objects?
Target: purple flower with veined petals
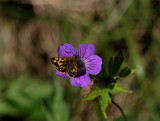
[{"x": 92, "y": 63}]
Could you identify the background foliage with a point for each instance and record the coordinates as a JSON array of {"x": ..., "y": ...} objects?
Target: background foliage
[{"x": 30, "y": 34}]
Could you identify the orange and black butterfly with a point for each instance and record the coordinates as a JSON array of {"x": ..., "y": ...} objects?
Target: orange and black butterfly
[{"x": 66, "y": 65}]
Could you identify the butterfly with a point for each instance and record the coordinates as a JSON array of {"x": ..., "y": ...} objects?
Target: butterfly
[{"x": 66, "y": 65}]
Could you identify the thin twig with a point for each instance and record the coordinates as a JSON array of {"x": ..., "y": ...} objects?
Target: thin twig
[{"x": 124, "y": 116}]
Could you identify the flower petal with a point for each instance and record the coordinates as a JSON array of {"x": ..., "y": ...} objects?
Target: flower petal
[
  {"x": 85, "y": 50},
  {"x": 93, "y": 64},
  {"x": 66, "y": 50},
  {"x": 81, "y": 81},
  {"x": 60, "y": 74}
]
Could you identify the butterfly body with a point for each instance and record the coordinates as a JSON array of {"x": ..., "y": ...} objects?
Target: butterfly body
[{"x": 66, "y": 65}]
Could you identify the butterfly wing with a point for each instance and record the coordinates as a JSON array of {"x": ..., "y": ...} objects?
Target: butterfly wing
[
  {"x": 67, "y": 65},
  {"x": 72, "y": 69},
  {"x": 60, "y": 63}
]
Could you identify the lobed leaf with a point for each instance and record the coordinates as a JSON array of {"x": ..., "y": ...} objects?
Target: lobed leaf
[
  {"x": 93, "y": 94},
  {"x": 103, "y": 72},
  {"x": 104, "y": 101},
  {"x": 125, "y": 72},
  {"x": 110, "y": 66},
  {"x": 103, "y": 91},
  {"x": 115, "y": 64},
  {"x": 117, "y": 89},
  {"x": 133, "y": 70}
]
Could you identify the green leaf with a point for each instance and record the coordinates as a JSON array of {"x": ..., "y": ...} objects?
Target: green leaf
[
  {"x": 93, "y": 94},
  {"x": 117, "y": 89},
  {"x": 58, "y": 105},
  {"x": 104, "y": 101},
  {"x": 125, "y": 72},
  {"x": 103, "y": 72},
  {"x": 133, "y": 70},
  {"x": 103, "y": 93},
  {"x": 115, "y": 64},
  {"x": 23, "y": 95},
  {"x": 110, "y": 66},
  {"x": 47, "y": 114}
]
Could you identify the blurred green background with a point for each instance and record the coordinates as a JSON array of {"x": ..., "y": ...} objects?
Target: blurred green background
[{"x": 31, "y": 32}]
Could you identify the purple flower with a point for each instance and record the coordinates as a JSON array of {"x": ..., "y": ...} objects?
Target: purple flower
[{"x": 92, "y": 63}]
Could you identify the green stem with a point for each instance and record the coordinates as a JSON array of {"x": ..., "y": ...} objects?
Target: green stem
[
  {"x": 99, "y": 115},
  {"x": 124, "y": 116}
]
